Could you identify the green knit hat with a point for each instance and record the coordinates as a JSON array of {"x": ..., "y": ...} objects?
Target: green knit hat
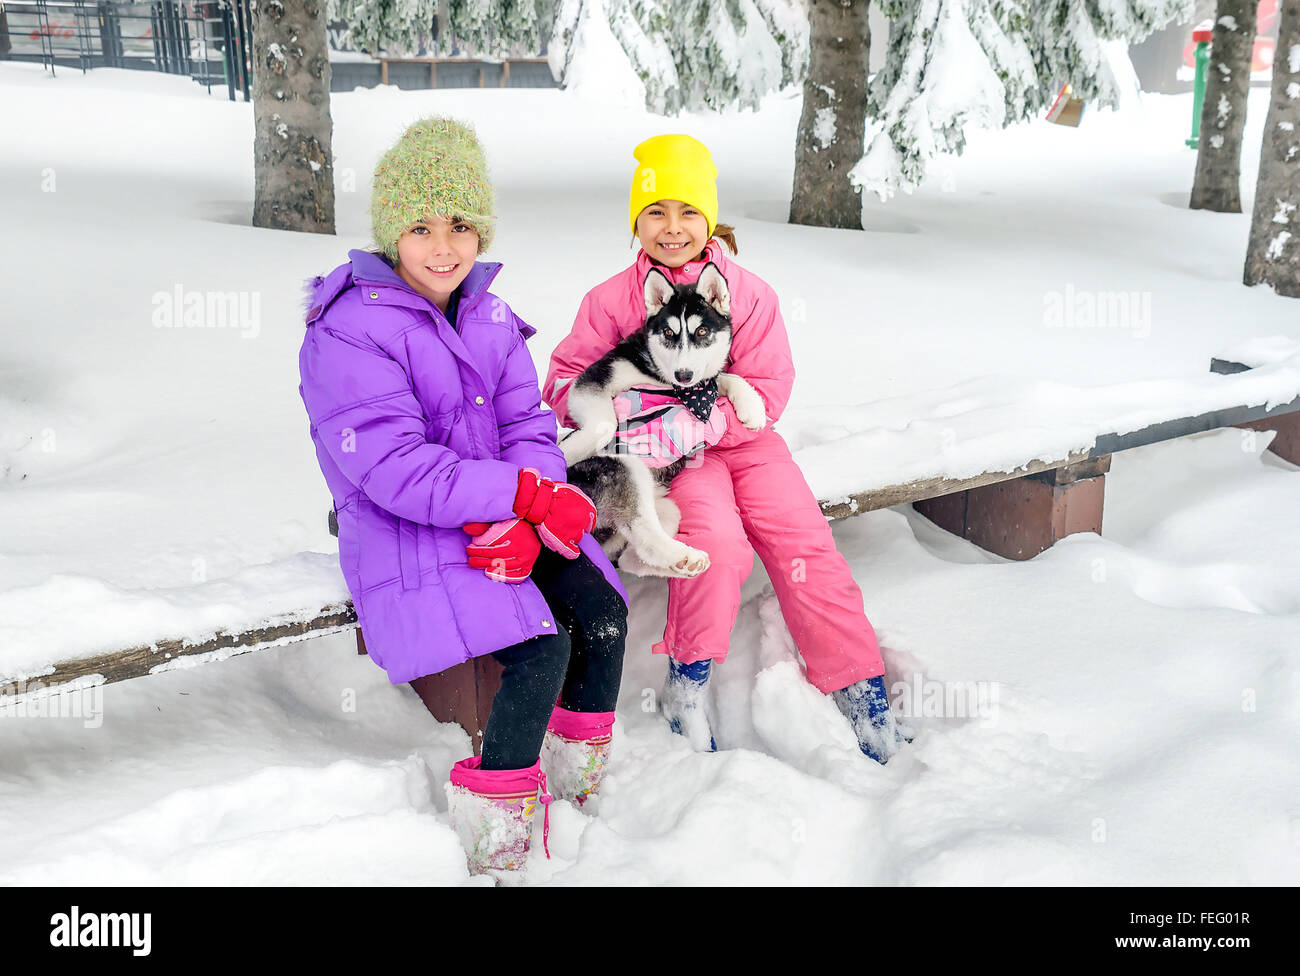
[{"x": 436, "y": 167}]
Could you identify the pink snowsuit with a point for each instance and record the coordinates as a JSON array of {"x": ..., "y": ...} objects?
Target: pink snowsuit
[{"x": 745, "y": 494}]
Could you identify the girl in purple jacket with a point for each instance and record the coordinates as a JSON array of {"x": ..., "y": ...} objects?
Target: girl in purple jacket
[{"x": 458, "y": 535}]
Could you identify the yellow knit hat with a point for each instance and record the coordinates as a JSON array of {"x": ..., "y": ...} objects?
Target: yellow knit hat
[{"x": 674, "y": 167}]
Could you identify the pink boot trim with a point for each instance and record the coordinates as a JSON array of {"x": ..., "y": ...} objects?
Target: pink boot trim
[
  {"x": 506, "y": 783},
  {"x": 581, "y": 726}
]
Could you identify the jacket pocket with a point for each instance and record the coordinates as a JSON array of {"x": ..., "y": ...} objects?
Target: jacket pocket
[
  {"x": 448, "y": 546},
  {"x": 379, "y": 540},
  {"x": 408, "y": 553},
  {"x": 350, "y": 550}
]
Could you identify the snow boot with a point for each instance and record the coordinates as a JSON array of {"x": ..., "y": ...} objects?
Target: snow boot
[
  {"x": 683, "y": 702},
  {"x": 575, "y": 751},
  {"x": 492, "y": 810},
  {"x": 866, "y": 705}
]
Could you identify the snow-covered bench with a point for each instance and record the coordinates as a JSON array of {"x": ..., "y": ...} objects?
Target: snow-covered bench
[{"x": 1016, "y": 513}]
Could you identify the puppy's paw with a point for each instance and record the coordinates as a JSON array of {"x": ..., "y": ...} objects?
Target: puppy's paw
[
  {"x": 750, "y": 412},
  {"x": 689, "y": 562},
  {"x": 745, "y": 400}
]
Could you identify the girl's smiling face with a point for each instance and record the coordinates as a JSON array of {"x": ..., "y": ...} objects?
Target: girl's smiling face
[
  {"x": 672, "y": 232},
  {"x": 435, "y": 255}
]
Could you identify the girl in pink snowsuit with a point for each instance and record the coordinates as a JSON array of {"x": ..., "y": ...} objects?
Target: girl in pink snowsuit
[{"x": 744, "y": 494}]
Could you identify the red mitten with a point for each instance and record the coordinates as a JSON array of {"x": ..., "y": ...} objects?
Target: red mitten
[
  {"x": 561, "y": 512},
  {"x": 505, "y": 551},
  {"x": 532, "y": 499}
]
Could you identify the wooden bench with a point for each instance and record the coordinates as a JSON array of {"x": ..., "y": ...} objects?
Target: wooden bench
[
  {"x": 1016, "y": 513},
  {"x": 1021, "y": 514}
]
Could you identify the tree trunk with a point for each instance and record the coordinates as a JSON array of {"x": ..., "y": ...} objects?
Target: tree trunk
[
  {"x": 1223, "y": 116},
  {"x": 294, "y": 167},
  {"x": 833, "y": 123},
  {"x": 1273, "y": 255}
]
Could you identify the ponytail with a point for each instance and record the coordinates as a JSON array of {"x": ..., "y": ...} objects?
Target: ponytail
[{"x": 727, "y": 234}]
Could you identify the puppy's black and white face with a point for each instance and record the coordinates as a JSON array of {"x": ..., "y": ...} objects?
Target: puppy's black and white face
[{"x": 689, "y": 325}]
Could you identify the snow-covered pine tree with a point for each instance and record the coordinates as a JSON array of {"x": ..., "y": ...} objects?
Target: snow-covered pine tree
[
  {"x": 486, "y": 28},
  {"x": 688, "y": 54},
  {"x": 949, "y": 63},
  {"x": 378, "y": 26},
  {"x": 589, "y": 37},
  {"x": 477, "y": 25},
  {"x": 521, "y": 24},
  {"x": 988, "y": 63}
]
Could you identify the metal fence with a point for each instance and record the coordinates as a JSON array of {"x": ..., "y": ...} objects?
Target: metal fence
[{"x": 207, "y": 40}]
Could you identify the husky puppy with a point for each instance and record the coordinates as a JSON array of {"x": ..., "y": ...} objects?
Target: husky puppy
[{"x": 685, "y": 341}]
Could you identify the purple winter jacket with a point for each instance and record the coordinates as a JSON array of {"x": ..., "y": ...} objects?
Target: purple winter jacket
[{"x": 418, "y": 430}]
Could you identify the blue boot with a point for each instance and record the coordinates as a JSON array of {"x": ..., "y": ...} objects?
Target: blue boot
[
  {"x": 866, "y": 705},
  {"x": 683, "y": 703}
]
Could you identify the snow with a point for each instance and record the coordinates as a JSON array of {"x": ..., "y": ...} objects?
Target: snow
[
  {"x": 601, "y": 72},
  {"x": 202, "y": 419},
  {"x": 1262, "y": 350},
  {"x": 946, "y": 84},
  {"x": 824, "y": 127},
  {"x": 1277, "y": 245},
  {"x": 1152, "y": 742},
  {"x": 159, "y": 483}
]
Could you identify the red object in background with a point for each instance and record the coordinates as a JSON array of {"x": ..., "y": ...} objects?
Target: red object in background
[
  {"x": 53, "y": 30},
  {"x": 1267, "y": 13},
  {"x": 1262, "y": 57}
]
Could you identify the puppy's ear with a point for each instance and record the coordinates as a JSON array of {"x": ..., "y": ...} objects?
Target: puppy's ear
[
  {"x": 658, "y": 290},
  {"x": 714, "y": 289}
]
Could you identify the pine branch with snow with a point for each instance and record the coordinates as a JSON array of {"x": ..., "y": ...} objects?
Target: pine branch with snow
[
  {"x": 987, "y": 63},
  {"x": 687, "y": 54},
  {"x": 381, "y": 26}
]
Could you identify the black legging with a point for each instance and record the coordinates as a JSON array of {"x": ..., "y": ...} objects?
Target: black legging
[{"x": 582, "y": 662}]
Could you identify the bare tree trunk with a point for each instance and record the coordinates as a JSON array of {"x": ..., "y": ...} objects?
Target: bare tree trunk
[
  {"x": 1223, "y": 116},
  {"x": 294, "y": 167},
  {"x": 833, "y": 123},
  {"x": 1273, "y": 255}
]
